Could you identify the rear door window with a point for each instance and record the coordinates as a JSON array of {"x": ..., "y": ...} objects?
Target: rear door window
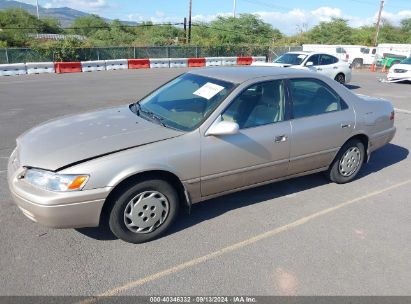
[
  {"x": 327, "y": 59},
  {"x": 313, "y": 97}
]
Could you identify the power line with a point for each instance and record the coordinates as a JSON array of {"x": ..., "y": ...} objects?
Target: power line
[{"x": 96, "y": 27}]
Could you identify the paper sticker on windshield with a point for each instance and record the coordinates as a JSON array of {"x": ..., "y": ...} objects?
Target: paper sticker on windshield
[{"x": 209, "y": 90}]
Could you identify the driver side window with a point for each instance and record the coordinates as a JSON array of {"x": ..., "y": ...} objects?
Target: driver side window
[
  {"x": 315, "y": 59},
  {"x": 258, "y": 105}
]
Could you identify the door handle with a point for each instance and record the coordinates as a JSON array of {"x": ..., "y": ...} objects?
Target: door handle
[
  {"x": 280, "y": 138},
  {"x": 319, "y": 69},
  {"x": 335, "y": 68},
  {"x": 345, "y": 126}
]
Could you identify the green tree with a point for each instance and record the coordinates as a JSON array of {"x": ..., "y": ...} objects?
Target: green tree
[
  {"x": 148, "y": 33},
  {"x": 89, "y": 25},
  {"x": 247, "y": 28},
  {"x": 16, "y": 24},
  {"x": 364, "y": 35},
  {"x": 391, "y": 34},
  {"x": 336, "y": 31}
]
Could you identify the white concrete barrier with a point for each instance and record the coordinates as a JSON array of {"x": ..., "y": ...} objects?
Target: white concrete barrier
[
  {"x": 116, "y": 64},
  {"x": 178, "y": 62},
  {"x": 91, "y": 66},
  {"x": 159, "y": 62},
  {"x": 259, "y": 59},
  {"x": 40, "y": 67},
  {"x": 12, "y": 69},
  {"x": 213, "y": 61},
  {"x": 229, "y": 60}
]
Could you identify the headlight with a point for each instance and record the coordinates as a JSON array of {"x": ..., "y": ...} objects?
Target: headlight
[
  {"x": 55, "y": 182},
  {"x": 400, "y": 71}
]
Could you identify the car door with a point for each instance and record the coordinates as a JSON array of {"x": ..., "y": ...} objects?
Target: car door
[
  {"x": 321, "y": 123},
  {"x": 259, "y": 152},
  {"x": 328, "y": 65},
  {"x": 312, "y": 62}
]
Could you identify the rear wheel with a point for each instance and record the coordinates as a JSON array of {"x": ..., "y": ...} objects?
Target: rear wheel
[
  {"x": 340, "y": 78},
  {"x": 347, "y": 163},
  {"x": 357, "y": 63},
  {"x": 144, "y": 211}
]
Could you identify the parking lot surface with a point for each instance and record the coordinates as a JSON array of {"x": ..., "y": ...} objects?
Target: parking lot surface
[{"x": 304, "y": 236}]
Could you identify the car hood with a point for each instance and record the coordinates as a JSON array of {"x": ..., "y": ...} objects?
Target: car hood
[
  {"x": 400, "y": 66},
  {"x": 72, "y": 139}
]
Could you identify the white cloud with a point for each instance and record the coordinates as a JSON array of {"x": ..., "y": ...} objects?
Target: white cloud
[{"x": 93, "y": 5}]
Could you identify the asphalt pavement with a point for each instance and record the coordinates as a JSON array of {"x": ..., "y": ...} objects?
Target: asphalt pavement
[{"x": 304, "y": 236}]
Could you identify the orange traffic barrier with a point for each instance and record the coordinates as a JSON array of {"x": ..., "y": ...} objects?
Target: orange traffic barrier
[
  {"x": 67, "y": 67},
  {"x": 139, "y": 63},
  {"x": 244, "y": 60},
  {"x": 196, "y": 62}
]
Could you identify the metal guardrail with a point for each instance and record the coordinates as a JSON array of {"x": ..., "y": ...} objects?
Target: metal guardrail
[{"x": 17, "y": 55}]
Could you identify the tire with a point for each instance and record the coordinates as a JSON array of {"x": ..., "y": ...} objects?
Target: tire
[
  {"x": 357, "y": 63},
  {"x": 339, "y": 171},
  {"x": 143, "y": 211},
  {"x": 340, "y": 78}
]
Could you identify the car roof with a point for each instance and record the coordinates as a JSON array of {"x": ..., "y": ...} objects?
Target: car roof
[
  {"x": 242, "y": 74},
  {"x": 310, "y": 53}
]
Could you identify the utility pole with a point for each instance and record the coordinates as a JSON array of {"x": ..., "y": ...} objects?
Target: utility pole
[
  {"x": 189, "y": 23},
  {"x": 185, "y": 28},
  {"x": 377, "y": 29},
  {"x": 234, "y": 8},
  {"x": 37, "y": 6}
]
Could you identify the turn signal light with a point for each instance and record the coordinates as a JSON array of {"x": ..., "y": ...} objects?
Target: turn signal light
[
  {"x": 78, "y": 182},
  {"x": 392, "y": 115}
]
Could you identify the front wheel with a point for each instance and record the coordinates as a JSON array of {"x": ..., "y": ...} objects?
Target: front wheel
[
  {"x": 340, "y": 78},
  {"x": 144, "y": 211},
  {"x": 347, "y": 163}
]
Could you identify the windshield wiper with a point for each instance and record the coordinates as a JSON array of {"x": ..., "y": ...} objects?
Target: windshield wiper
[{"x": 151, "y": 115}]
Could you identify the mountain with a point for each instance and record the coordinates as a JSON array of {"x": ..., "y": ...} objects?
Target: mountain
[{"x": 65, "y": 15}]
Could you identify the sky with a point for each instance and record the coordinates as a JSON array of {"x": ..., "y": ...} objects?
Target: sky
[{"x": 288, "y": 16}]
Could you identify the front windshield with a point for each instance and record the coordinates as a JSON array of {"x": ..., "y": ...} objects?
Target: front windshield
[
  {"x": 406, "y": 61},
  {"x": 291, "y": 58},
  {"x": 185, "y": 102}
]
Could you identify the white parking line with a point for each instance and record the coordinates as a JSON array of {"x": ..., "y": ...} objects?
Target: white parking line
[
  {"x": 200, "y": 260},
  {"x": 3, "y": 171},
  {"x": 402, "y": 111}
]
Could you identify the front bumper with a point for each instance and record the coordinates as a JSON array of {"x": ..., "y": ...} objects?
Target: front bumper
[{"x": 55, "y": 209}]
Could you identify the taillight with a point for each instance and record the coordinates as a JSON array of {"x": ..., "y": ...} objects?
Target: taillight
[
  {"x": 392, "y": 115},
  {"x": 347, "y": 56}
]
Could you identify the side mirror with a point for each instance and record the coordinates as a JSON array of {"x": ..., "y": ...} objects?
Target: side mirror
[
  {"x": 309, "y": 63},
  {"x": 222, "y": 127}
]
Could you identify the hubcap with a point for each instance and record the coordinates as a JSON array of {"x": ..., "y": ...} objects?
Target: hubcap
[
  {"x": 350, "y": 162},
  {"x": 146, "y": 212},
  {"x": 340, "y": 78}
]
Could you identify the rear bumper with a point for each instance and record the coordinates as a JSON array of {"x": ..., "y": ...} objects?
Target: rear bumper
[{"x": 381, "y": 138}]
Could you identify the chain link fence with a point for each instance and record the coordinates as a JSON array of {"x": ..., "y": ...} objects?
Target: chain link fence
[{"x": 21, "y": 55}]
